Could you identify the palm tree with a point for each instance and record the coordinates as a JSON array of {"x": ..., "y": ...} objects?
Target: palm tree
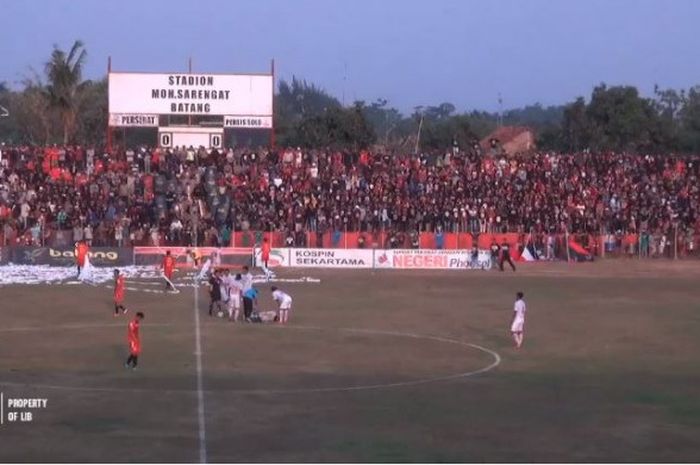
[
  {"x": 3, "y": 90},
  {"x": 65, "y": 74}
]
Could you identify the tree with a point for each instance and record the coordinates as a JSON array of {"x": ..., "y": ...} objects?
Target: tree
[
  {"x": 7, "y": 127},
  {"x": 621, "y": 120},
  {"x": 299, "y": 111},
  {"x": 482, "y": 123},
  {"x": 61, "y": 106},
  {"x": 668, "y": 105},
  {"x": 358, "y": 131},
  {"x": 441, "y": 129},
  {"x": 308, "y": 116},
  {"x": 30, "y": 111},
  {"x": 551, "y": 138},
  {"x": 535, "y": 116},
  {"x": 689, "y": 121},
  {"x": 575, "y": 126},
  {"x": 64, "y": 73},
  {"x": 92, "y": 112},
  {"x": 440, "y": 112},
  {"x": 668, "y": 102},
  {"x": 384, "y": 120}
]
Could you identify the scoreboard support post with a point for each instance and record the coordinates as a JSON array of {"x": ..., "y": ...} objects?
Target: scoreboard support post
[
  {"x": 108, "y": 136},
  {"x": 272, "y": 130}
]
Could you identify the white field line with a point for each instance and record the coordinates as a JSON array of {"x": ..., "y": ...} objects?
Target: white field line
[
  {"x": 200, "y": 387},
  {"x": 200, "y": 391}
]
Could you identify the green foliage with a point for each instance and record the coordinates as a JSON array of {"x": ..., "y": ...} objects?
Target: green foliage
[
  {"x": 64, "y": 73},
  {"x": 31, "y": 114},
  {"x": 619, "y": 119},
  {"x": 535, "y": 116},
  {"x": 59, "y": 106},
  {"x": 440, "y": 130},
  {"x": 689, "y": 121},
  {"x": 7, "y": 125},
  {"x": 308, "y": 116},
  {"x": 575, "y": 126},
  {"x": 92, "y": 108},
  {"x": 385, "y": 121},
  {"x": 483, "y": 123}
]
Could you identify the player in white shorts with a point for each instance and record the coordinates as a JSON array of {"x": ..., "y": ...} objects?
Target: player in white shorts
[
  {"x": 234, "y": 287},
  {"x": 285, "y": 301},
  {"x": 517, "y": 327}
]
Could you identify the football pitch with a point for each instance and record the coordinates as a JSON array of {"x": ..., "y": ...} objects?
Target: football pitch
[{"x": 385, "y": 366}]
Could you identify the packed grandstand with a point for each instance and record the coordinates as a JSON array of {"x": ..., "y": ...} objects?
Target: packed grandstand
[{"x": 60, "y": 195}]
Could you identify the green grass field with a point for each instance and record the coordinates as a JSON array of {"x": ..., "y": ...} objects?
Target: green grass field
[{"x": 610, "y": 370}]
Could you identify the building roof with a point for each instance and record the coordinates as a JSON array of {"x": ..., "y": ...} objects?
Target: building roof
[{"x": 506, "y": 135}]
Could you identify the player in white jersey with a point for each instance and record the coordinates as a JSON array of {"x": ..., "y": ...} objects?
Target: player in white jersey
[
  {"x": 246, "y": 278},
  {"x": 285, "y": 301},
  {"x": 517, "y": 327},
  {"x": 247, "y": 285},
  {"x": 205, "y": 269},
  {"x": 225, "y": 278},
  {"x": 234, "y": 287}
]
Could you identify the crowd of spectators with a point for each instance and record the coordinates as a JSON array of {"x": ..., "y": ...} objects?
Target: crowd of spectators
[{"x": 156, "y": 197}]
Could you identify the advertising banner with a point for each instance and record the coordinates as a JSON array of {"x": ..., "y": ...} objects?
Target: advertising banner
[
  {"x": 260, "y": 122},
  {"x": 185, "y": 256},
  {"x": 331, "y": 258},
  {"x": 407, "y": 259},
  {"x": 99, "y": 256},
  {"x": 278, "y": 258},
  {"x": 124, "y": 120},
  {"x": 427, "y": 259}
]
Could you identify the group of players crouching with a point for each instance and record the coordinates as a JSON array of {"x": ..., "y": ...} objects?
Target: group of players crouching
[{"x": 228, "y": 290}]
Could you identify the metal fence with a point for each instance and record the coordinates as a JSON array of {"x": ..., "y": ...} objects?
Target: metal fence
[{"x": 676, "y": 245}]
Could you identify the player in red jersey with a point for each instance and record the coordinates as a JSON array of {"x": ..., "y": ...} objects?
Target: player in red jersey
[
  {"x": 119, "y": 288},
  {"x": 134, "y": 341},
  {"x": 81, "y": 251},
  {"x": 168, "y": 267},
  {"x": 265, "y": 255}
]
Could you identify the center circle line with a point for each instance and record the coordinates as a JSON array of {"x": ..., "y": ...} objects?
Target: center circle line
[{"x": 365, "y": 387}]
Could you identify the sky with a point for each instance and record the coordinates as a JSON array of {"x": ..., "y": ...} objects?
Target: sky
[{"x": 409, "y": 52}]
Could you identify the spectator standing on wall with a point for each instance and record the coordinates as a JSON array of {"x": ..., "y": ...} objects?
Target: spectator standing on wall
[
  {"x": 644, "y": 244},
  {"x": 336, "y": 238},
  {"x": 439, "y": 239},
  {"x": 320, "y": 232},
  {"x": 119, "y": 234},
  {"x": 663, "y": 241},
  {"x": 77, "y": 232},
  {"x": 415, "y": 240},
  {"x": 550, "y": 246},
  {"x": 495, "y": 253},
  {"x": 690, "y": 242},
  {"x": 505, "y": 255},
  {"x": 87, "y": 234}
]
